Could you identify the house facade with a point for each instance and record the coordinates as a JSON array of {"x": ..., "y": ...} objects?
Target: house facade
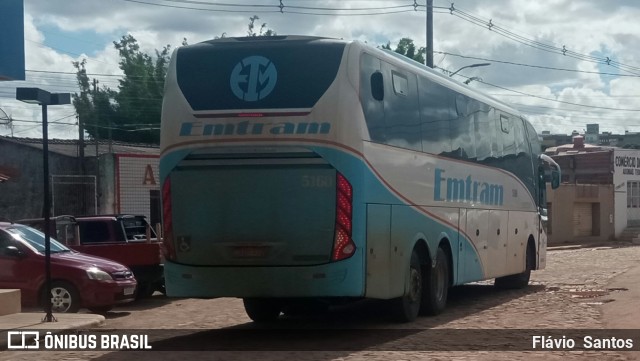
[
  {"x": 104, "y": 179},
  {"x": 599, "y": 198}
]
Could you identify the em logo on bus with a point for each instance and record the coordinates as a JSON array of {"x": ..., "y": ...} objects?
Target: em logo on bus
[{"x": 253, "y": 78}]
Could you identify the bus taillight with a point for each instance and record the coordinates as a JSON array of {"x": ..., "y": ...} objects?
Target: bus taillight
[
  {"x": 167, "y": 240},
  {"x": 343, "y": 246}
]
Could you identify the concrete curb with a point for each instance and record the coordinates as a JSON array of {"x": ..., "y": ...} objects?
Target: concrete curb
[
  {"x": 560, "y": 247},
  {"x": 33, "y": 321},
  {"x": 623, "y": 312},
  {"x": 563, "y": 248}
]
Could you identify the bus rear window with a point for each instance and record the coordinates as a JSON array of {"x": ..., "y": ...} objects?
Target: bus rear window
[{"x": 229, "y": 75}]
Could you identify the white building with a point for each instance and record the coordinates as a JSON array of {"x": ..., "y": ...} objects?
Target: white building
[{"x": 626, "y": 180}]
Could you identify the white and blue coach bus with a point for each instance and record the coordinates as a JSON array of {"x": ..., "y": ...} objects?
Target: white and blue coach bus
[{"x": 301, "y": 168}]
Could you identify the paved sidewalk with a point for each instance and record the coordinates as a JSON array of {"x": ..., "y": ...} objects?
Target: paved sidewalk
[
  {"x": 33, "y": 321},
  {"x": 623, "y": 313}
]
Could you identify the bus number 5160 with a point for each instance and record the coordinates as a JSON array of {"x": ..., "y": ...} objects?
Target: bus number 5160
[{"x": 317, "y": 181}]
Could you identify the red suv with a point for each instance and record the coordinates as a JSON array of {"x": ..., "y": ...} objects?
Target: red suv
[{"x": 78, "y": 280}]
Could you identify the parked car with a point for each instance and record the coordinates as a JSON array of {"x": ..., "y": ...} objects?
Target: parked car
[
  {"x": 78, "y": 279},
  {"x": 124, "y": 238}
]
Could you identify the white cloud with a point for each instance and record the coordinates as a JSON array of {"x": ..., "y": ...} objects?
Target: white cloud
[{"x": 588, "y": 27}]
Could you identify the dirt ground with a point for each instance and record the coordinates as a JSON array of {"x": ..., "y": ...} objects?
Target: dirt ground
[{"x": 581, "y": 289}]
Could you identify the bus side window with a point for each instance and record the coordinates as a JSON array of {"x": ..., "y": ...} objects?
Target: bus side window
[
  {"x": 464, "y": 144},
  {"x": 437, "y": 108},
  {"x": 483, "y": 132},
  {"x": 377, "y": 86},
  {"x": 401, "y": 109},
  {"x": 372, "y": 88},
  {"x": 506, "y": 134}
]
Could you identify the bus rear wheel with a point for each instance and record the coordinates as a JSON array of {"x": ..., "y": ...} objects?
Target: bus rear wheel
[
  {"x": 436, "y": 286},
  {"x": 519, "y": 280},
  {"x": 407, "y": 307},
  {"x": 262, "y": 309}
]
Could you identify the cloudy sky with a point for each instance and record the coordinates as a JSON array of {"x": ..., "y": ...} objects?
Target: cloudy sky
[{"x": 563, "y": 63}]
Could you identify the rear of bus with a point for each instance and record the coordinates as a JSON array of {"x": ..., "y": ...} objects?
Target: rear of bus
[{"x": 260, "y": 171}]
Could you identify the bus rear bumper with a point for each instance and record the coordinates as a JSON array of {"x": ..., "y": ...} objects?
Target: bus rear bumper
[{"x": 340, "y": 279}]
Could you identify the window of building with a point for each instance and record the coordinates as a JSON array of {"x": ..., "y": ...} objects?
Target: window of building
[{"x": 633, "y": 194}]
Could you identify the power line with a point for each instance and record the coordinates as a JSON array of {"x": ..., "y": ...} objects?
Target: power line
[
  {"x": 73, "y": 73},
  {"x": 562, "y": 112},
  {"x": 25, "y": 130},
  {"x": 49, "y": 122},
  {"x": 201, "y": 9},
  {"x": 556, "y": 100},
  {"x": 282, "y": 8},
  {"x": 535, "y": 66},
  {"x": 539, "y": 45},
  {"x": 122, "y": 128}
]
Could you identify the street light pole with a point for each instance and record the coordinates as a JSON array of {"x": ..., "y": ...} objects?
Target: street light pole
[
  {"x": 47, "y": 214},
  {"x": 469, "y": 66},
  {"x": 44, "y": 98}
]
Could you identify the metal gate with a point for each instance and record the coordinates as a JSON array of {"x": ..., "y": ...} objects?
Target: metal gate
[
  {"x": 633, "y": 203},
  {"x": 74, "y": 195},
  {"x": 582, "y": 219}
]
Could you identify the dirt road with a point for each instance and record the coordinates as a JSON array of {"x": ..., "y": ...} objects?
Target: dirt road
[{"x": 581, "y": 289}]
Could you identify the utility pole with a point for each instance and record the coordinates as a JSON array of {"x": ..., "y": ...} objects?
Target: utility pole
[
  {"x": 429, "y": 55},
  {"x": 96, "y": 119},
  {"x": 81, "y": 144},
  {"x": 95, "y": 92},
  {"x": 82, "y": 169}
]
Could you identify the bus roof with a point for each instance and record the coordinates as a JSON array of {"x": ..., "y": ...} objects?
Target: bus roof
[
  {"x": 388, "y": 54},
  {"x": 261, "y": 39}
]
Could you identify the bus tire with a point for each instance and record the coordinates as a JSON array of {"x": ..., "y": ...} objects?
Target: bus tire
[
  {"x": 262, "y": 309},
  {"x": 436, "y": 286},
  {"x": 407, "y": 307},
  {"x": 307, "y": 307},
  {"x": 519, "y": 280},
  {"x": 145, "y": 290}
]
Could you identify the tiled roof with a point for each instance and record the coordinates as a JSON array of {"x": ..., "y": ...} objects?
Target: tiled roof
[{"x": 69, "y": 147}]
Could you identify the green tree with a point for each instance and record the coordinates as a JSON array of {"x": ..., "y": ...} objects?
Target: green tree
[
  {"x": 264, "y": 31},
  {"x": 93, "y": 104},
  {"x": 132, "y": 112},
  {"x": 139, "y": 96},
  {"x": 407, "y": 48}
]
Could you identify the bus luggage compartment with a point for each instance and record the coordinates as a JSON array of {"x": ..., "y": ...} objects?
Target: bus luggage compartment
[{"x": 254, "y": 211}]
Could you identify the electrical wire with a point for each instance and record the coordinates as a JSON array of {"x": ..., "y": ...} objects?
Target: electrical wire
[
  {"x": 536, "y": 66},
  {"x": 390, "y": 10},
  {"x": 281, "y": 8},
  {"x": 540, "y": 45},
  {"x": 556, "y": 100}
]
